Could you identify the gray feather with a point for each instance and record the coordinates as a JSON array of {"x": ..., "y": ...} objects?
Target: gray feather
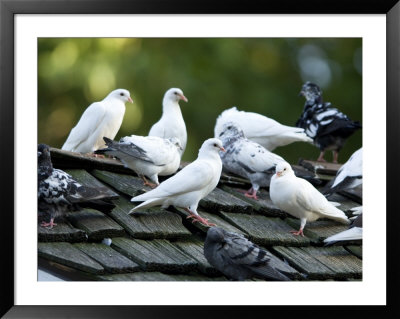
[{"x": 238, "y": 258}]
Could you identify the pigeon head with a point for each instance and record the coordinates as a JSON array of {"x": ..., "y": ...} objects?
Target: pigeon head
[
  {"x": 311, "y": 92},
  {"x": 210, "y": 146},
  {"x": 174, "y": 95},
  {"x": 215, "y": 235},
  {"x": 45, "y": 167},
  {"x": 283, "y": 168},
  {"x": 231, "y": 130},
  {"x": 43, "y": 153},
  {"x": 176, "y": 142},
  {"x": 121, "y": 94}
]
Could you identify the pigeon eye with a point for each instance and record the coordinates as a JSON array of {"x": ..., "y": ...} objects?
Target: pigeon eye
[
  {"x": 122, "y": 94},
  {"x": 215, "y": 144},
  {"x": 176, "y": 93},
  {"x": 229, "y": 127}
]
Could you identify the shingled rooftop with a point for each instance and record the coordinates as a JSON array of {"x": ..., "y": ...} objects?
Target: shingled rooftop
[{"x": 162, "y": 245}]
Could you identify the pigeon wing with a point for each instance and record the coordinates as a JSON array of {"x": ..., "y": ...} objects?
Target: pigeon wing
[
  {"x": 256, "y": 158},
  {"x": 89, "y": 122},
  {"x": 159, "y": 150},
  {"x": 157, "y": 129},
  {"x": 194, "y": 177},
  {"x": 125, "y": 150},
  {"x": 243, "y": 253},
  {"x": 310, "y": 199}
]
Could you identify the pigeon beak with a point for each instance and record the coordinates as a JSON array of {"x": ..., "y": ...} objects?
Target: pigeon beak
[
  {"x": 130, "y": 99},
  {"x": 182, "y": 97},
  {"x": 278, "y": 174},
  {"x": 222, "y": 149}
]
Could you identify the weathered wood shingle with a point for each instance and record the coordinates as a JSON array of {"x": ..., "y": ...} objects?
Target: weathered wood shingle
[
  {"x": 62, "y": 232},
  {"x": 322, "y": 262},
  {"x": 150, "y": 224},
  {"x": 163, "y": 245},
  {"x": 110, "y": 259},
  {"x": 95, "y": 224},
  {"x": 267, "y": 231},
  {"x": 67, "y": 254},
  {"x": 155, "y": 255}
]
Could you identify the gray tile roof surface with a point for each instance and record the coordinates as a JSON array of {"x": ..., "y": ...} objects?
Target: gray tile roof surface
[{"x": 163, "y": 245}]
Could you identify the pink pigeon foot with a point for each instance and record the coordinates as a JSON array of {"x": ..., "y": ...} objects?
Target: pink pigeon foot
[
  {"x": 251, "y": 193},
  {"x": 49, "y": 225},
  {"x": 147, "y": 183},
  {"x": 197, "y": 218},
  {"x": 297, "y": 233}
]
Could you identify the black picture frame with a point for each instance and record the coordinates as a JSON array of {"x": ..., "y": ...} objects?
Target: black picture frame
[{"x": 8, "y": 10}]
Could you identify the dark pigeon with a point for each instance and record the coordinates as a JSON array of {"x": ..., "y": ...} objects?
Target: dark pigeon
[
  {"x": 59, "y": 193},
  {"x": 238, "y": 258},
  {"x": 326, "y": 125}
]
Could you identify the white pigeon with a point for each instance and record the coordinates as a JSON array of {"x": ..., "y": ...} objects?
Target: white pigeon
[
  {"x": 300, "y": 199},
  {"x": 349, "y": 175},
  {"x": 190, "y": 185},
  {"x": 146, "y": 155},
  {"x": 171, "y": 123},
  {"x": 247, "y": 158},
  {"x": 100, "y": 119},
  {"x": 261, "y": 129}
]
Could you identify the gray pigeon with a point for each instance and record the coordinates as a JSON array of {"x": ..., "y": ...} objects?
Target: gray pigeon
[
  {"x": 238, "y": 258},
  {"x": 59, "y": 193},
  {"x": 247, "y": 158}
]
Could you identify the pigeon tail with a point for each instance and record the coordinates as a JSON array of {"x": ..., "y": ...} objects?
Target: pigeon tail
[
  {"x": 336, "y": 214},
  {"x": 354, "y": 233},
  {"x": 147, "y": 204}
]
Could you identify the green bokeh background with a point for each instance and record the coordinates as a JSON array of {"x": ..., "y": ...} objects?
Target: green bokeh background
[{"x": 262, "y": 75}]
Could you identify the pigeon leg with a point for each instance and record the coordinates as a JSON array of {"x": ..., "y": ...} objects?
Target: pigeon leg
[
  {"x": 251, "y": 193},
  {"x": 335, "y": 156},
  {"x": 197, "y": 218},
  {"x": 49, "y": 224},
  {"x": 300, "y": 231},
  {"x": 321, "y": 157},
  {"x": 147, "y": 183},
  {"x": 297, "y": 233}
]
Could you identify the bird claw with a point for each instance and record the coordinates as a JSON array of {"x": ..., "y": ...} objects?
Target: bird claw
[
  {"x": 48, "y": 225},
  {"x": 254, "y": 196},
  {"x": 201, "y": 220},
  {"x": 151, "y": 185},
  {"x": 297, "y": 233}
]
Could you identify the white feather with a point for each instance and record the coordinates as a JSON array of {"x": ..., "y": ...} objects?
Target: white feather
[
  {"x": 300, "y": 199},
  {"x": 354, "y": 233},
  {"x": 171, "y": 123},
  {"x": 98, "y": 120},
  {"x": 352, "y": 168},
  {"x": 191, "y": 184},
  {"x": 261, "y": 129},
  {"x": 164, "y": 155}
]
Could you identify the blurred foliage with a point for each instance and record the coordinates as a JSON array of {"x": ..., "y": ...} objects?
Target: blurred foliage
[{"x": 254, "y": 74}]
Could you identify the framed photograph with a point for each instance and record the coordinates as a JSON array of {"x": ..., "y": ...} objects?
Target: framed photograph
[{"x": 58, "y": 57}]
